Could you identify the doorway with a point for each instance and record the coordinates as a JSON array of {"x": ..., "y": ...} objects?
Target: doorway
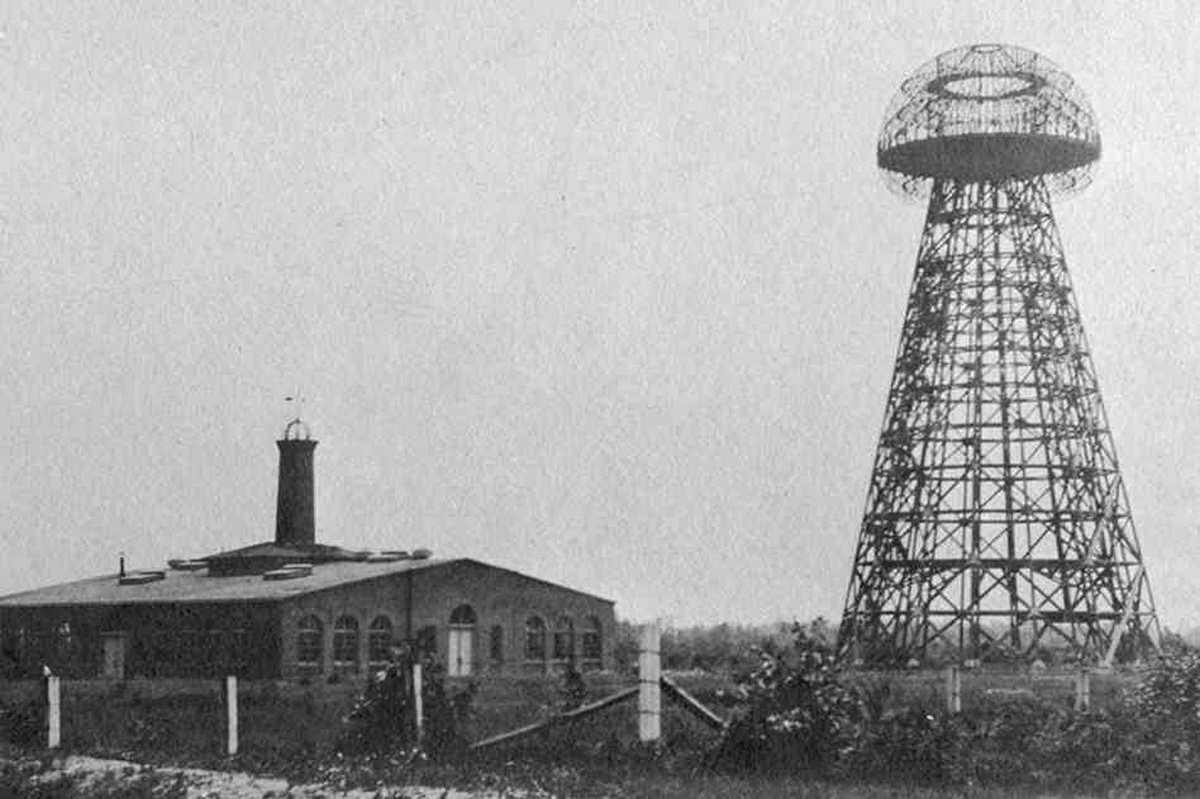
[
  {"x": 462, "y": 634},
  {"x": 460, "y": 652},
  {"x": 112, "y": 646}
]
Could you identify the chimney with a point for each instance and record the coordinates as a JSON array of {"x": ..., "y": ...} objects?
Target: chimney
[{"x": 294, "y": 518}]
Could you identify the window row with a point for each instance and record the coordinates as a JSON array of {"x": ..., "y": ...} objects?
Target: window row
[
  {"x": 310, "y": 641},
  {"x": 562, "y": 639}
]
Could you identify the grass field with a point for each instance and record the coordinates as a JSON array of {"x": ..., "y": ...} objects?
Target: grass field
[
  {"x": 291, "y": 729},
  {"x": 185, "y": 717}
]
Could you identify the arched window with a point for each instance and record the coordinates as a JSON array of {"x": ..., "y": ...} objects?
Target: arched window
[
  {"x": 592, "y": 643},
  {"x": 309, "y": 642},
  {"x": 463, "y": 615},
  {"x": 535, "y": 639},
  {"x": 379, "y": 641},
  {"x": 459, "y": 645},
  {"x": 496, "y": 644},
  {"x": 564, "y": 638},
  {"x": 345, "y": 642}
]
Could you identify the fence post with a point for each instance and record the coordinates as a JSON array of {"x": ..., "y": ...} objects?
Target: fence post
[
  {"x": 649, "y": 690},
  {"x": 953, "y": 689},
  {"x": 53, "y": 712},
  {"x": 418, "y": 705},
  {"x": 231, "y": 715},
  {"x": 1083, "y": 691}
]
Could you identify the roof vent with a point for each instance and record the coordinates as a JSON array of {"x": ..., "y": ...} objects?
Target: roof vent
[
  {"x": 421, "y": 554},
  {"x": 186, "y": 564},
  {"x": 289, "y": 571},
  {"x": 142, "y": 577}
]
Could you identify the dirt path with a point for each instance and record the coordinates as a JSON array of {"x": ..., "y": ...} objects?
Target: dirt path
[{"x": 92, "y": 772}]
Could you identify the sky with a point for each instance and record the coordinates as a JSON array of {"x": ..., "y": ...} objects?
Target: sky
[{"x": 603, "y": 292}]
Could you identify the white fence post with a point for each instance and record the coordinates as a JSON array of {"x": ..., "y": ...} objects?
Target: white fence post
[
  {"x": 954, "y": 689},
  {"x": 418, "y": 705},
  {"x": 1083, "y": 691},
  {"x": 53, "y": 712},
  {"x": 231, "y": 715},
  {"x": 649, "y": 690}
]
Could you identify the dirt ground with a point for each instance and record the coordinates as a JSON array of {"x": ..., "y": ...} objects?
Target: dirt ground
[{"x": 88, "y": 772}]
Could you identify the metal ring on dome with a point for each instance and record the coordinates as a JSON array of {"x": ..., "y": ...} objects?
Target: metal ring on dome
[{"x": 942, "y": 85}]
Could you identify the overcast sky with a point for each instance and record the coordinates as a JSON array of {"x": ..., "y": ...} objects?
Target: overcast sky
[{"x": 603, "y": 292}]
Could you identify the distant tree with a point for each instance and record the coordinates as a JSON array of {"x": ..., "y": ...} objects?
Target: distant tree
[
  {"x": 722, "y": 648},
  {"x": 625, "y": 647}
]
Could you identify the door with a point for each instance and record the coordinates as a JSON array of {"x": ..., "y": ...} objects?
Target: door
[
  {"x": 113, "y": 646},
  {"x": 459, "y": 652}
]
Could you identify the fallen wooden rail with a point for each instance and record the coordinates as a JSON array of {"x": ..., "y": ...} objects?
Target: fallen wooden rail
[
  {"x": 570, "y": 715},
  {"x": 691, "y": 704}
]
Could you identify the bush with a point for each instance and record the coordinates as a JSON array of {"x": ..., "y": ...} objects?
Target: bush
[
  {"x": 445, "y": 715},
  {"x": 796, "y": 713},
  {"x": 572, "y": 689},
  {"x": 381, "y": 721},
  {"x": 910, "y": 744},
  {"x": 1158, "y": 723}
]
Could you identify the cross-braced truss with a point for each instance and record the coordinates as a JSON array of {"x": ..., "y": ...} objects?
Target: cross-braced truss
[{"x": 996, "y": 514}]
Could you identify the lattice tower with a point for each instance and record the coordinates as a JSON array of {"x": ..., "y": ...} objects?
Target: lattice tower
[{"x": 996, "y": 519}]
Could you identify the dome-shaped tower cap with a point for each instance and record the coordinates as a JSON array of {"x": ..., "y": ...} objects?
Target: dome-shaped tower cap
[
  {"x": 297, "y": 430},
  {"x": 989, "y": 112}
]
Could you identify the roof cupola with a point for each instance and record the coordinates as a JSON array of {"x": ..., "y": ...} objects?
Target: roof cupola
[{"x": 295, "y": 520}]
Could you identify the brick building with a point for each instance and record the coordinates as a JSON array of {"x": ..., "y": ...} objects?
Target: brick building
[{"x": 292, "y": 608}]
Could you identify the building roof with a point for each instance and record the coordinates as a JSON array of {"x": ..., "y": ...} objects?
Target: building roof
[
  {"x": 304, "y": 552},
  {"x": 198, "y": 586}
]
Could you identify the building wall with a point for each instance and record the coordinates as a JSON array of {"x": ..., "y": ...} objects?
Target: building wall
[
  {"x": 160, "y": 640},
  {"x": 499, "y": 599},
  {"x": 259, "y": 640}
]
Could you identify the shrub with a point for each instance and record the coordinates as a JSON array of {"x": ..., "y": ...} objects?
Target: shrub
[
  {"x": 796, "y": 713},
  {"x": 381, "y": 720},
  {"x": 445, "y": 714},
  {"x": 1079, "y": 750},
  {"x": 381, "y": 717},
  {"x": 572, "y": 689},
  {"x": 909, "y": 744},
  {"x": 1158, "y": 722}
]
